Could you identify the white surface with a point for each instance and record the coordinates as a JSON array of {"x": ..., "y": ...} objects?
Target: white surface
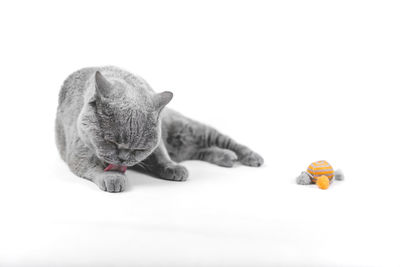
[{"x": 297, "y": 82}]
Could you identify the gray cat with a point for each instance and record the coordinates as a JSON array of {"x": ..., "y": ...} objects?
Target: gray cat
[{"x": 109, "y": 119}]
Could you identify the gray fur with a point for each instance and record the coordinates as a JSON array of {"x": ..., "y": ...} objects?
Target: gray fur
[{"x": 109, "y": 116}]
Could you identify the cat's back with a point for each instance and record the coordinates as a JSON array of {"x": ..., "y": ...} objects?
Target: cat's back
[
  {"x": 70, "y": 102},
  {"x": 78, "y": 83},
  {"x": 74, "y": 87}
]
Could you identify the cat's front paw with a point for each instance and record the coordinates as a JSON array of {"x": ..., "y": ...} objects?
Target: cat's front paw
[
  {"x": 112, "y": 182},
  {"x": 252, "y": 159},
  {"x": 174, "y": 173}
]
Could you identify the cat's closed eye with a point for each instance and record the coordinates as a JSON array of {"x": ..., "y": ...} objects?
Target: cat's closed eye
[
  {"x": 111, "y": 141},
  {"x": 126, "y": 147}
]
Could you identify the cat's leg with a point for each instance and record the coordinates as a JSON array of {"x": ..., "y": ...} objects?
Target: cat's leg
[
  {"x": 85, "y": 164},
  {"x": 216, "y": 155},
  {"x": 245, "y": 155},
  {"x": 161, "y": 166},
  {"x": 188, "y": 139}
]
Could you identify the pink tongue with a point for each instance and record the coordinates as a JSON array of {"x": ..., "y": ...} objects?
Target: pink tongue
[{"x": 112, "y": 167}]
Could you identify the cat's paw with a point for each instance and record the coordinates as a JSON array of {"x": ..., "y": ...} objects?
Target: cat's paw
[
  {"x": 226, "y": 159},
  {"x": 252, "y": 159},
  {"x": 112, "y": 182},
  {"x": 174, "y": 173}
]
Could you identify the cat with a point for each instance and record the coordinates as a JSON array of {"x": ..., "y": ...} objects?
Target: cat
[{"x": 107, "y": 116}]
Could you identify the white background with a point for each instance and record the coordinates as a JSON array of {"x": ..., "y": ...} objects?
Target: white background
[{"x": 297, "y": 81}]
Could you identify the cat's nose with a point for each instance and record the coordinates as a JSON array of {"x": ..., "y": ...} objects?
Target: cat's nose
[{"x": 123, "y": 154}]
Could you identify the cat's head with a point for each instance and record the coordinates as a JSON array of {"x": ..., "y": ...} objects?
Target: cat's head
[{"x": 121, "y": 123}]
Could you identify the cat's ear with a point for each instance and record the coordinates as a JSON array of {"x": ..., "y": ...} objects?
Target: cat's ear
[
  {"x": 103, "y": 87},
  {"x": 162, "y": 99}
]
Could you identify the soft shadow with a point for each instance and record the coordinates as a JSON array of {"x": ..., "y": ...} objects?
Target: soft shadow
[
  {"x": 137, "y": 179},
  {"x": 199, "y": 171}
]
